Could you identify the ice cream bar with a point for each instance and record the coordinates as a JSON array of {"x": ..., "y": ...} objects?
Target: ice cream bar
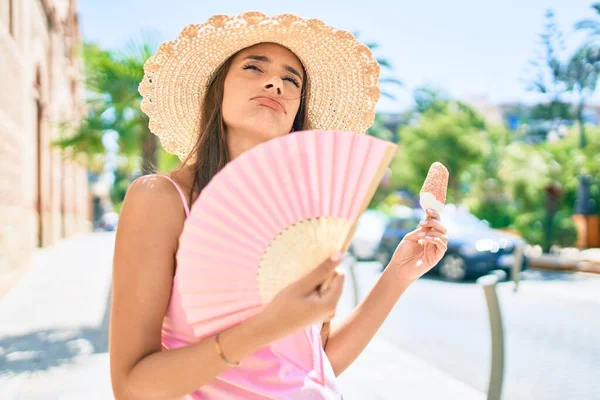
[{"x": 433, "y": 192}]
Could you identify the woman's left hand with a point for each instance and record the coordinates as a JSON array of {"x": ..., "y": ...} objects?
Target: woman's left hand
[{"x": 421, "y": 249}]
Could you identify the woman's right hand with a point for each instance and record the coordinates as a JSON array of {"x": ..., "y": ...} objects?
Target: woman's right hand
[{"x": 311, "y": 299}]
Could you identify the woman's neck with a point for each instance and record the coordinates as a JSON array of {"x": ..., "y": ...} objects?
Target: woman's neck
[
  {"x": 240, "y": 144},
  {"x": 239, "y": 141}
]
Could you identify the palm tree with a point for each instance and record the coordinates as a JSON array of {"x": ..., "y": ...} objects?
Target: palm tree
[
  {"x": 86, "y": 138},
  {"x": 583, "y": 69},
  {"x": 547, "y": 78},
  {"x": 592, "y": 26},
  {"x": 118, "y": 78},
  {"x": 581, "y": 77},
  {"x": 112, "y": 79},
  {"x": 384, "y": 81}
]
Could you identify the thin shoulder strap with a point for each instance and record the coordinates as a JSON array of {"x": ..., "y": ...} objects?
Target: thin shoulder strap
[{"x": 183, "y": 199}]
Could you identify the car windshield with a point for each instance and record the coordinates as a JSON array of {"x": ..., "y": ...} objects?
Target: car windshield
[{"x": 457, "y": 219}]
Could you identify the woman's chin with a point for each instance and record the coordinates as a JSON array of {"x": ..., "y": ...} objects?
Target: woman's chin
[{"x": 265, "y": 132}]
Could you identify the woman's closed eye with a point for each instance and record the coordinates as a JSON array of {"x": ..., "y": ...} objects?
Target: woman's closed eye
[
  {"x": 252, "y": 67},
  {"x": 285, "y": 78},
  {"x": 293, "y": 80}
]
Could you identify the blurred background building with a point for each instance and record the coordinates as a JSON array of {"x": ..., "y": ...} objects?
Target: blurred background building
[{"x": 43, "y": 193}]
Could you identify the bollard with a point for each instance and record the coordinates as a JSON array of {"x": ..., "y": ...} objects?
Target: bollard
[
  {"x": 489, "y": 282},
  {"x": 516, "y": 267}
]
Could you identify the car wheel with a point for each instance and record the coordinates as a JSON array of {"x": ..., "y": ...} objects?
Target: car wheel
[{"x": 453, "y": 268}]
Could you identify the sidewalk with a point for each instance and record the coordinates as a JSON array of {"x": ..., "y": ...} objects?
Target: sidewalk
[
  {"x": 53, "y": 335},
  {"x": 54, "y": 342}
]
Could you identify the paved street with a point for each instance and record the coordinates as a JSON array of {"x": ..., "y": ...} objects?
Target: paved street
[{"x": 552, "y": 327}]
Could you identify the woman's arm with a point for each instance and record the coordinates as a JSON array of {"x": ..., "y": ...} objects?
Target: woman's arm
[
  {"x": 416, "y": 254},
  {"x": 146, "y": 241}
]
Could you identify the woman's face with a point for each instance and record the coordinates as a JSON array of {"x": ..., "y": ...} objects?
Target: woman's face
[{"x": 262, "y": 93}]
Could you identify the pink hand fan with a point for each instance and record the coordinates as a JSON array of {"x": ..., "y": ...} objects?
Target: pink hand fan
[{"x": 269, "y": 217}]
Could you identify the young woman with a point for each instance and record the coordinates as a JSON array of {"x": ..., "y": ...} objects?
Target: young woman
[{"x": 218, "y": 90}]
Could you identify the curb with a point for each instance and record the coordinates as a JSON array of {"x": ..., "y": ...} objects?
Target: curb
[
  {"x": 589, "y": 267},
  {"x": 552, "y": 263}
]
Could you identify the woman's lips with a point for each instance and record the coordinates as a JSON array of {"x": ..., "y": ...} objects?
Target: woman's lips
[{"x": 271, "y": 103}]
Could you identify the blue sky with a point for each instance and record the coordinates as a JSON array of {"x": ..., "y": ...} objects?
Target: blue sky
[{"x": 465, "y": 47}]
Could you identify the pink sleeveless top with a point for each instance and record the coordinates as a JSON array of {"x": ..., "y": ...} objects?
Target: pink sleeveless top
[{"x": 262, "y": 375}]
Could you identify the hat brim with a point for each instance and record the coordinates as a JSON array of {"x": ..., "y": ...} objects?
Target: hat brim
[{"x": 342, "y": 73}]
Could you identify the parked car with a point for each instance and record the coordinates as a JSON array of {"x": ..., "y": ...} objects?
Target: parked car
[
  {"x": 108, "y": 222},
  {"x": 474, "y": 248},
  {"x": 397, "y": 227},
  {"x": 367, "y": 235}
]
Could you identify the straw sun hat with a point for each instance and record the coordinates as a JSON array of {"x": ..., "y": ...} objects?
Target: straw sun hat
[{"x": 343, "y": 75}]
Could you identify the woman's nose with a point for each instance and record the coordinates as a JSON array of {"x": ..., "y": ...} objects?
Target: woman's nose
[{"x": 274, "y": 84}]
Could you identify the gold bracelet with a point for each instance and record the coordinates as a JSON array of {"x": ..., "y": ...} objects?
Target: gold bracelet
[{"x": 220, "y": 352}]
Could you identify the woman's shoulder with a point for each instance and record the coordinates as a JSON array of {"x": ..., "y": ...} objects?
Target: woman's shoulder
[
  {"x": 153, "y": 198},
  {"x": 151, "y": 188}
]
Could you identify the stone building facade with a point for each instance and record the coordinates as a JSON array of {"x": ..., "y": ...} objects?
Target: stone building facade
[{"x": 44, "y": 193}]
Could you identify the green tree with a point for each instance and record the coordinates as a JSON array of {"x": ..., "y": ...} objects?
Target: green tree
[
  {"x": 379, "y": 130},
  {"x": 428, "y": 98},
  {"x": 577, "y": 75},
  {"x": 527, "y": 170},
  {"x": 452, "y": 136},
  {"x": 487, "y": 198},
  {"x": 425, "y": 98}
]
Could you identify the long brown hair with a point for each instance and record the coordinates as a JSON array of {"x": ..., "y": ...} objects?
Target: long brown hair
[{"x": 210, "y": 152}]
